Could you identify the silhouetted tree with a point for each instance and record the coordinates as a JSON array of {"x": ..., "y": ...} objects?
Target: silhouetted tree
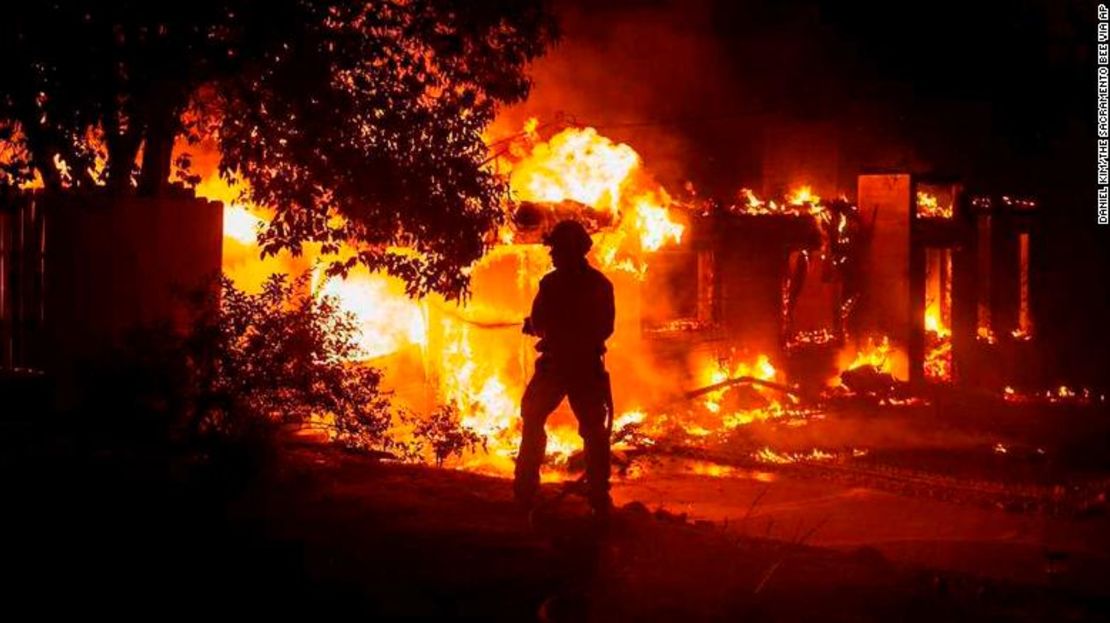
[{"x": 370, "y": 111}]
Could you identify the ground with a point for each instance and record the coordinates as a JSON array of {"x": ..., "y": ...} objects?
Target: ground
[{"x": 931, "y": 524}]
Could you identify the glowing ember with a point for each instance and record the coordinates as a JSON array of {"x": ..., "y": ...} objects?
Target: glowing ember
[
  {"x": 938, "y": 361},
  {"x": 767, "y": 455},
  {"x": 753, "y": 203},
  {"x": 877, "y": 355},
  {"x": 817, "y": 337},
  {"x": 1062, "y": 394},
  {"x": 696, "y": 430},
  {"x": 713, "y": 470}
]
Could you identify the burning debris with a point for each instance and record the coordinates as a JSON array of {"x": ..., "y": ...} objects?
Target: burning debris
[{"x": 1060, "y": 395}]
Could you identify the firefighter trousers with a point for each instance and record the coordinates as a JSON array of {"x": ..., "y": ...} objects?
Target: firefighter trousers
[{"x": 586, "y": 385}]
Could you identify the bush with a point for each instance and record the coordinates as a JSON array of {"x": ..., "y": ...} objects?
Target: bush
[
  {"x": 251, "y": 363},
  {"x": 445, "y": 433},
  {"x": 283, "y": 356}
]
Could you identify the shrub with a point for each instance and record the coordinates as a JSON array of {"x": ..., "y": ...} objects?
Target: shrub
[
  {"x": 284, "y": 356},
  {"x": 250, "y": 363},
  {"x": 444, "y": 432}
]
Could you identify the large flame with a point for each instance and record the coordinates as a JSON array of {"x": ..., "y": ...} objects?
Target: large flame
[
  {"x": 473, "y": 356},
  {"x": 576, "y": 164},
  {"x": 581, "y": 165},
  {"x": 240, "y": 224},
  {"x": 650, "y": 218},
  {"x": 387, "y": 319}
]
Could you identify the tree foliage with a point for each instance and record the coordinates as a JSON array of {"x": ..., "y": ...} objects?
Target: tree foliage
[
  {"x": 257, "y": 362},
  {"x": 445, "y": 435},
  {"x": 241, "y": 369},
  {"x": 355, "y": 121},
  {"x": 285, "y": 356}
]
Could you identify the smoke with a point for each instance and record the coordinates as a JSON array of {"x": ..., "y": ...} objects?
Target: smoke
[
  {"x": 722, "y": 94},
  {"x": 642, "y": 73}
]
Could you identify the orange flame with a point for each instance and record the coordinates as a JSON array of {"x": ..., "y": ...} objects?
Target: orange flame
[
  {"x": 803, "y": 195},
  {"x": 387, "y": 319},
  {"x": 460, "y": 362},
  {"x": 800, "y": 200},
  {"x": 929, "y": 207},
  {"x": 576, "y": 164}
]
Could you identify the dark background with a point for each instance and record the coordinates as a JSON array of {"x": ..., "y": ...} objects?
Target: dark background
[{"x": 1000, "y": 94}]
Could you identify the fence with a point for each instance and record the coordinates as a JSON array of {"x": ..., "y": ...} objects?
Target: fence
[{"x": 22, "y": 282}]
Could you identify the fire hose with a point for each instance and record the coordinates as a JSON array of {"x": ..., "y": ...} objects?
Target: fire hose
[
  {"x": 481, "y": 324},
  {"x": 489, "y": 325}
]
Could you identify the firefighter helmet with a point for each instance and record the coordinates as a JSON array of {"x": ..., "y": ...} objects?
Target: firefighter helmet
[{"x": 569, "y": 235}]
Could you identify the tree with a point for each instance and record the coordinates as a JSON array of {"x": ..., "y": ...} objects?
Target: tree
[
  {"x": 357, "y": 122},
  {"x": 283, "y": 356}
]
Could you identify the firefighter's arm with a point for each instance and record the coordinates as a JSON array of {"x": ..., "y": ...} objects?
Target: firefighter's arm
[{"x": 536, "y": 323}]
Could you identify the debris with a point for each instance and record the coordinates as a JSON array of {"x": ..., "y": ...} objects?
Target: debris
[
  {"x": 869, "y": 380},
  {"x": 741, "y": 380},
  {"x": 662, "y": 514}
]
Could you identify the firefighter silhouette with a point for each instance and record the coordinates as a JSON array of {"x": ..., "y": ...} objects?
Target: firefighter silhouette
[{"x": 572, "y": 315}]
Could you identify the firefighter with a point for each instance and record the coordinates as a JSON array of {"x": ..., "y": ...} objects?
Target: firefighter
[{"x": 572, "y": 315}]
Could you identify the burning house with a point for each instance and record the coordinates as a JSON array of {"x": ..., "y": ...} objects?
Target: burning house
[
  {"x": 915, "y": 280},
  {"x": 269, "y": 309},
  {"x": 782, "y": 295}
]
